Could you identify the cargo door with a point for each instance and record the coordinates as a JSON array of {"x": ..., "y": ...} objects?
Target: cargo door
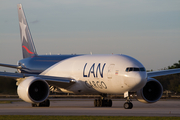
[{"x": 110, "y": 71}]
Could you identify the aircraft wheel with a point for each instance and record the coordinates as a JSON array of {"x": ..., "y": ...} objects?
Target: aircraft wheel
[
  {"x": 46, "y": 103},
  {"x": 109, "y": 103},
  {"x": 131, "y": 105},
  {"x": 34, "y": 105},
  {"x": 99, "y": 103},
  {"x": 104, "y": 103},
  {"x": 95, "y": 103},
  {"x": 128, "y": 105}
]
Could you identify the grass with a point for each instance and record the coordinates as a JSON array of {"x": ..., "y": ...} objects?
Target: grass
[{"x": 39, "y": 117}]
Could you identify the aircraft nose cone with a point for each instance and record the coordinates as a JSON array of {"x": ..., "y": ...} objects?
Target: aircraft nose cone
[
  {"x": 136, "y": 80},
  {"x": 141, "y": 80}
]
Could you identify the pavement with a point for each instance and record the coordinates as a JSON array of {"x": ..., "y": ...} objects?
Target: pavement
[{"x": 76, "y": 107}]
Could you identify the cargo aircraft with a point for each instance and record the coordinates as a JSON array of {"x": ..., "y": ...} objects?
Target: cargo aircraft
[{"x": 81, "y": 74}]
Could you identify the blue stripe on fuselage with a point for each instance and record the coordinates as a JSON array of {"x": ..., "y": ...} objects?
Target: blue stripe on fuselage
[{"x": 37, "y": 64}]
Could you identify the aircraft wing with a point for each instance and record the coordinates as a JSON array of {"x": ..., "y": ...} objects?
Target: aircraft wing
[
  {"x": 163, "y": 72},
  {"x": 57, "y": 81}
]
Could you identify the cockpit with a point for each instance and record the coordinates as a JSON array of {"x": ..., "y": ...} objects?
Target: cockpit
[{"x": 129, "y": 69}]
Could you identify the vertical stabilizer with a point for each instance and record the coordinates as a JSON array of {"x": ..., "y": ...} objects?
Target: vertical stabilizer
[{"x": 28, "y": 47}]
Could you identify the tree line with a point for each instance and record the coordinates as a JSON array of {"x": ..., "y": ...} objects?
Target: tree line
[
  {"x": 169, "y": 82},
  {"x": 8, "y": 86}
]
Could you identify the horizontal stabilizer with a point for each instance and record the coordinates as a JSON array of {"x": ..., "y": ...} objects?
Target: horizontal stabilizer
[{"x": 10, "y": 66}]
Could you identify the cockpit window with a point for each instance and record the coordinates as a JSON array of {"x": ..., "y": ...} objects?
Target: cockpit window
[
  {"x": 129, "y": 69},
  {"x": 136, "y": 69},
  {"x": 142, "y": 69}
]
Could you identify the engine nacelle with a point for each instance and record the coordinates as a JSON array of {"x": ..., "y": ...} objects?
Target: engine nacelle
[
  {"x": 151, "y": 92},
  {"x": 33, "y": 90}
]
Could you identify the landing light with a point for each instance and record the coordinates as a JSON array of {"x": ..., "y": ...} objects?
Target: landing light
[
  {"x": 126, "y": 75},
  {"x": 73, "y": 81}
]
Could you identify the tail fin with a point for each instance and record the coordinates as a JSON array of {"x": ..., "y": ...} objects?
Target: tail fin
[{"x": 28, "y": 47}]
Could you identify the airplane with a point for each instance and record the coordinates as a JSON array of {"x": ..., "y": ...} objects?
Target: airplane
[{"x": 81, "y": 74}]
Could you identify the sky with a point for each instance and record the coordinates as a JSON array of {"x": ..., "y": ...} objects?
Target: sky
[{"x": 148, "y": 30}]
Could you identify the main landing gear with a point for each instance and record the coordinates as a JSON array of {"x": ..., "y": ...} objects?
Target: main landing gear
[
  {"x": 127, "y": 104},
  {"x": 102, "y": 102},
  {"x": 46, "y": 103}
]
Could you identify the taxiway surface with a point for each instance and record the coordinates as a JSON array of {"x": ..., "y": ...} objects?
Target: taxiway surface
[{"x": 76, "y": 107}]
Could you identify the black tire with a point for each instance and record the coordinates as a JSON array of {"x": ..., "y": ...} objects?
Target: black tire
[
  {"x": 109, "y": 103},
  {"x": 131, "y": 105},
  {"x": 34, "y": 105},
  {"x": 126, "y": 105},
  {"x": 104, "y": 103},
  {"x": 99, "y": 103},
  {"x": 95, "y": 103},
  {"x": 46, "y": 103}
]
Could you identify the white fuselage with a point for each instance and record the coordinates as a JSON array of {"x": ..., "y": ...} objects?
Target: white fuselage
[{"x": 100, "y": 74}]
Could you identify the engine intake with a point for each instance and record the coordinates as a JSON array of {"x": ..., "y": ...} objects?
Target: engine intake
[
  {"x": 151, "y": 92},
  {"x": 33, "y": 90}
]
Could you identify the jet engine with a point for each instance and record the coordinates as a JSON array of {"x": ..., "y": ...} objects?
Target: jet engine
[
  {"x": 33, "y": 90},
  {"x": 151, "y": 92}
]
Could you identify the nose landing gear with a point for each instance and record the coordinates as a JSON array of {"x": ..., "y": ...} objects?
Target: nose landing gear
[{"x": 127, "y": 104}]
